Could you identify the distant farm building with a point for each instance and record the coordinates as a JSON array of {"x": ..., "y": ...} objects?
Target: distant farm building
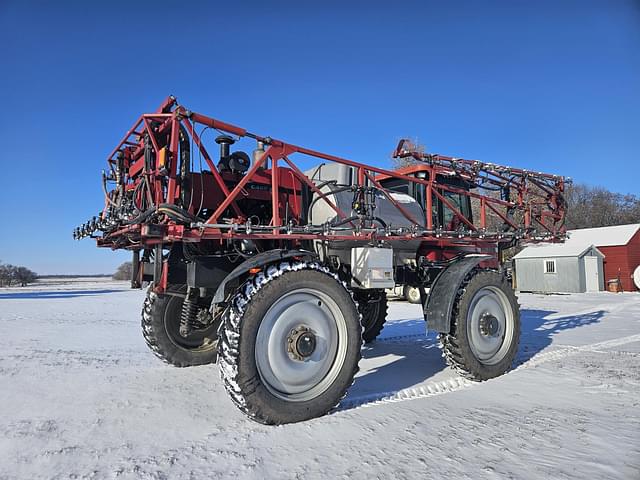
[
  {"x": 620, "y": 246},
  {"x": 559, "y": 268},
  {"x": 585, "y": 262}
]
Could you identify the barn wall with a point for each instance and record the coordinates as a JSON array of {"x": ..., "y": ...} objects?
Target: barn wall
[
  {"x": 615, "y": 263},
  {"x": 531, "y": 277},
  {"x": 622, "y": 260},
  {"x": 633, "y": 255}
]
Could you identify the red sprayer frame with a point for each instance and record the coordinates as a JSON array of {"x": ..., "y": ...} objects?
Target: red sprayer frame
[{"x": 536, "y": 196}]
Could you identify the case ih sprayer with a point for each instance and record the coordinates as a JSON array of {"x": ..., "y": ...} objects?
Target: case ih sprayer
[{"x": 278, "y": 272}]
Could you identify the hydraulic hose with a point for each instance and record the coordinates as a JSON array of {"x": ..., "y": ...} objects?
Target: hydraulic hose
[
  {"x": 141, "y": 218},
  {"x": 345, "y": 221},
  {"x": 172, "y": 211},
  {"x": 337, "y": 190},
  {"x": 332, "y": 192},
  {"x": 381, "y": 222},
  {"x": 104, "y": 189},
  {"x": 178, "y": 211},
  {"x": 353, "y": 218}
]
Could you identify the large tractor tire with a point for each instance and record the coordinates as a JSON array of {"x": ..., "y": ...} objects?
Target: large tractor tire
[
  {"x": 161, "y": 331},
  {"x": 290, "y": 343},
  {"x": 485, "y": 327},
  {"x": 372, "y": 306}
]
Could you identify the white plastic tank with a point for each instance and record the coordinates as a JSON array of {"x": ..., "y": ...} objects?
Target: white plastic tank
[
  {"x": 341, "y": 177},
  {"x": 335, "y": 180}
]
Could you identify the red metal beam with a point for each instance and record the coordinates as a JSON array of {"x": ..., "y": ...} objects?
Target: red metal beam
[
  {"x": 454, "y": 210},
  {"x": 538, "y": 195},
  {"x": 393, "y": 201},
  {"x": 214, "y": 171},
  {"x": 302, "y": 177},
  {"x": 240, "y": 186}
]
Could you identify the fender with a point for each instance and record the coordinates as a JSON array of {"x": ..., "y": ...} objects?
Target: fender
[
  {"x": 443, "y": 292},
  {"x": 259, "y": 260}
]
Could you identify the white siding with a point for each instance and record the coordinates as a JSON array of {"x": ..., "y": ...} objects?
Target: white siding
[
  {"x": 531, "y": 276},
  {"x": 569, "y": 274}
]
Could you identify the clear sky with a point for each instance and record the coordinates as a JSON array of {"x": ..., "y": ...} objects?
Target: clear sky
[{"x": 545, "y": 85}]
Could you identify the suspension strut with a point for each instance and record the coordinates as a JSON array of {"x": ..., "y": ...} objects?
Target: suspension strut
[{"x": 189, "y": 314}]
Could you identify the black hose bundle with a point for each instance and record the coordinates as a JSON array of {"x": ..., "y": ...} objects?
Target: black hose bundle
[
  {"x": 354, "y": 218},
  {"x": 141, "y": 218},
  {"x": 176, "y": 213},
  {"x": 172, "y": 211}
]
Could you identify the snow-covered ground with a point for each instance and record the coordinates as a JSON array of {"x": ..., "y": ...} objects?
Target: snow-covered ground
[{"x": 81, "y": 397}]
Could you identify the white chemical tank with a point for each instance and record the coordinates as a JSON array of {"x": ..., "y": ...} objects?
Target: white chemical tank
[
  {"x": 342, "y": 197},
  {"x": 335, "y": 181}
]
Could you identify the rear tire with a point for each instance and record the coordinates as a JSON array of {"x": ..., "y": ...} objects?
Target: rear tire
[
  {"x": 160, "y": 329},
  {"x": 267, "y": 373},
  {"x": 372, "y": 306},
  {"x": 411, "y": 294},
  {"x": 485, "y": 327}
]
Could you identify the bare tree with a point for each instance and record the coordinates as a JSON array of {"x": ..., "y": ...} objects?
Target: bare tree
[
  {"x": 6, "y": 274},
  {"x": 598, "y": 207},
  {"x": 411, "y": 144},
  {"x": 10, "y": 274},
  {"x": 124, "y": 272},
  {"x": 24, "y": 276}
]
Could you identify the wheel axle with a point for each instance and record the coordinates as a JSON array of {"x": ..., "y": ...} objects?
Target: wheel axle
[
  {"x": 489, "y": 325},
  {"x": 301, "y": 343}
]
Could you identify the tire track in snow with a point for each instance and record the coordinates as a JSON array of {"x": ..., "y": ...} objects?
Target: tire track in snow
[
  {"x": 423, "y": 391},
  {"x": 568, "y": 350},
  {"x": 458, "y": 383},
  {"x": 402, "y": 338}
]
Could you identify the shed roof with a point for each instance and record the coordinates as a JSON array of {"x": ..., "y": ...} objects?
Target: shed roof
[
  {"x": 551, "y": 250},
  {"x": 605, "y": 236},
  {"x": 580, "y": 241}
]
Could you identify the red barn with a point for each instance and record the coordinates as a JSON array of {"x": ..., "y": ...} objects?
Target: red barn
[{"x": 620, "y": 246}]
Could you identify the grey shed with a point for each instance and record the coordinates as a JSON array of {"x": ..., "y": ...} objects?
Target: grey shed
[{"x": 558, "y": 268}]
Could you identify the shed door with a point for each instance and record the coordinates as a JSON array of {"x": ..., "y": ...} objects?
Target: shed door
[{"x": 591, "y": 274}]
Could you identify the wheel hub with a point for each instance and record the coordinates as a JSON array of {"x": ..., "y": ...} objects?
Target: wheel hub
[
  {"x": 301, "y": 343},
  {"x": 489, "y": 325}
]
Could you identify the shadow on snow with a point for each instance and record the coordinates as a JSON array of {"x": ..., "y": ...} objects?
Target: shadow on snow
[
  {"x": 393, "y": 364},
  {"x": 538, "y": 330},
  {"x": 54, "y": 294}
]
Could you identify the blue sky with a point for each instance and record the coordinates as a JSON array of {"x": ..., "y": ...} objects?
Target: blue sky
[{"x": 545, "y": 85}]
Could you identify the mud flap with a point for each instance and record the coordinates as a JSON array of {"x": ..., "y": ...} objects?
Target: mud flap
[
  {"x": 259, "y": 260},
  {"x": 439, "y": 304}
]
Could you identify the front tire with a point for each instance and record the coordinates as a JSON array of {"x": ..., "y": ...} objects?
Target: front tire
[
  {"x": 290, "y": 344},
  {"x": 485, "y": 327},
  {"x": 161, "y": 332}
]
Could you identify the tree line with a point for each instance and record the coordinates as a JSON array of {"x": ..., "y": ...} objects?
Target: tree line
[
  {"x": 15, "y": 275},
  {"x": 589, "y": 207},
  {"x": 124, "y": 272}
]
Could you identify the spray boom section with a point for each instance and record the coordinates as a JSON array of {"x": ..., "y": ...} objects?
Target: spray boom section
[{"x": 162, "y": 185}]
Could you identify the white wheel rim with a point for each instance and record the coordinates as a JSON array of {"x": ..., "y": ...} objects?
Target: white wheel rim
[
  {"x": 490, "y": 325},
  {"x": 413, "y": 294},
  {"x": 295, "y": 379}
]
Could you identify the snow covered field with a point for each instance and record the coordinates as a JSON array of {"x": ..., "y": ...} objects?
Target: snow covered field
[{"x": 82, "y": 397}]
